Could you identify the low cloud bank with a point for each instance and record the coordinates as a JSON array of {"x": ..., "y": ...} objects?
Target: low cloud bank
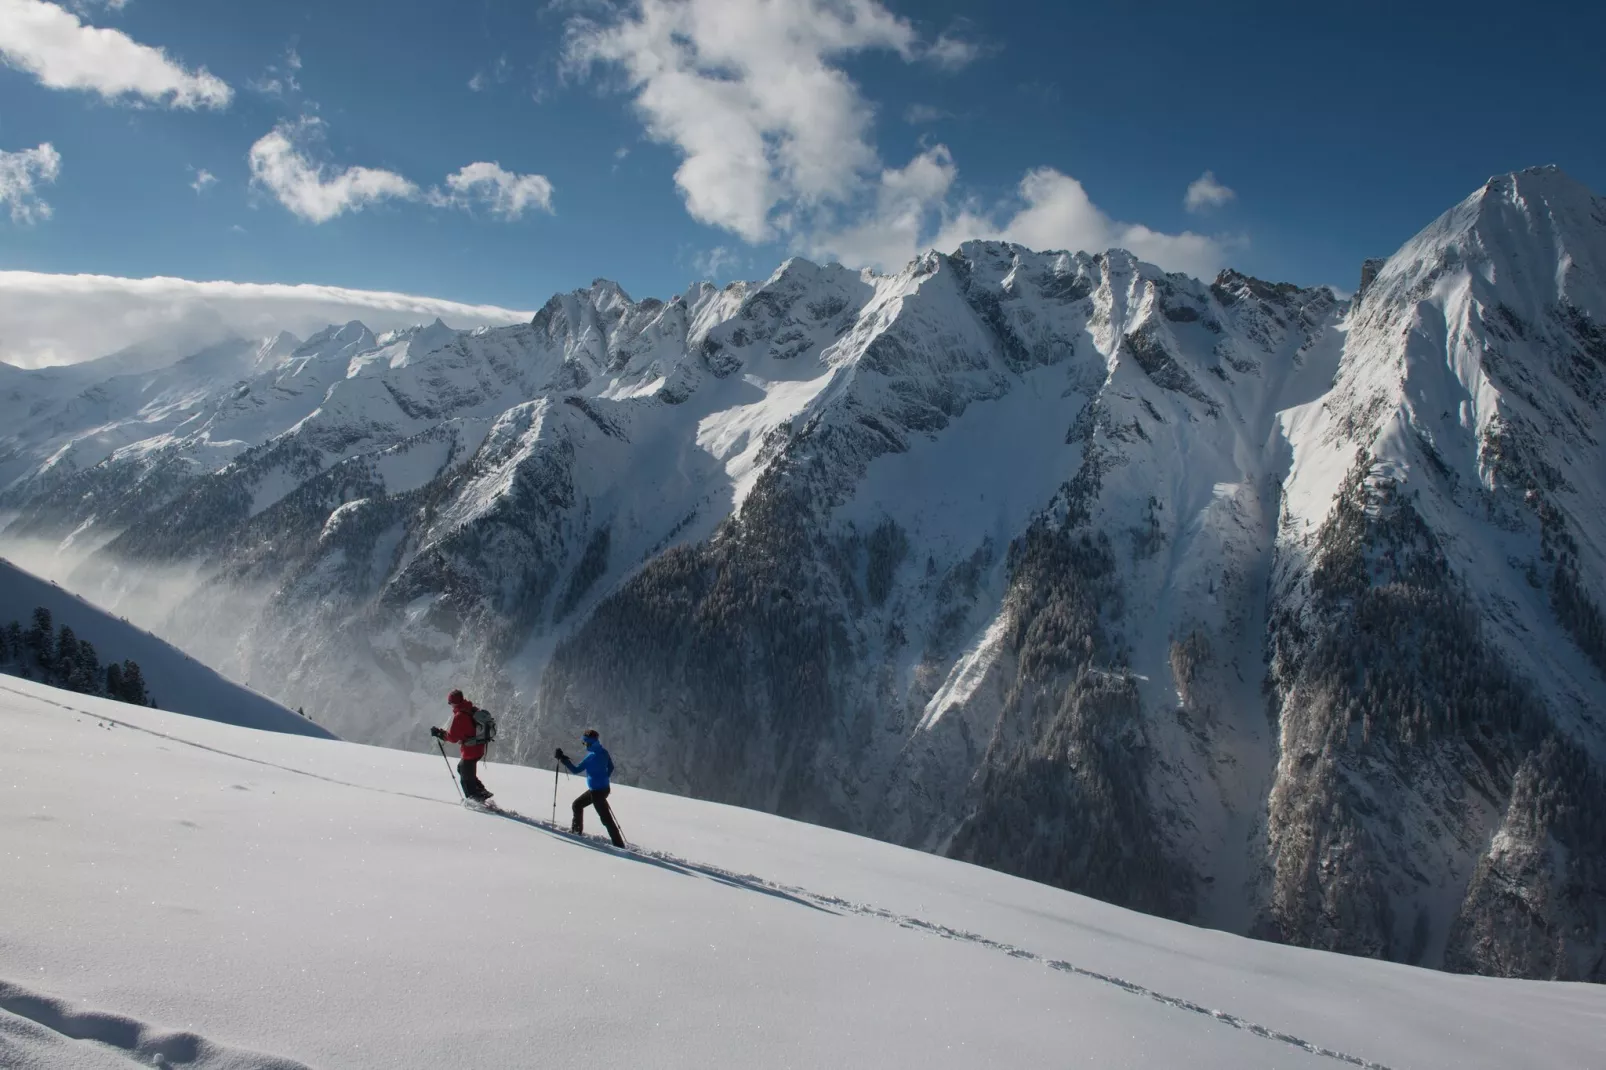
[{"x": 64, "y": 319}]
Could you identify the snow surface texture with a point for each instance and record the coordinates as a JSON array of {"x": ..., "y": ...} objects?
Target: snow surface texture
[
  {"x": 175, "y": 680},
  {"x": 191, "y": 893},
  {"x": 1232, "y": 602}
]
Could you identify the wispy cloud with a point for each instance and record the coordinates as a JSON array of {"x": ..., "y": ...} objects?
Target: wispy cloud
[
  {"x": 62, "y": 52},
  {"x": 21, "y": 173},
  {"x": 952, "y": 52},
  {"x": 1205, "y": 193},
  {"x": 717, "y": 263},
  {"x": 203, "y": 179},
  {"x": 497, "y": 74},
  {"x": 1043, "y": 92},
  {"x": 924, "y": 114},
  {"x": 279, "y": 79}
]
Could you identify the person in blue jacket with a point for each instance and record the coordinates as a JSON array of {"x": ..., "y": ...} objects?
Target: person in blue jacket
[{"x": 597, "y": 767}]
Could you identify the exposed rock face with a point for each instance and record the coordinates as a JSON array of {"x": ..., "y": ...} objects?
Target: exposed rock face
[
  {"x": 1232, "y": 602},
  {"x": 1369, "y": 269}
]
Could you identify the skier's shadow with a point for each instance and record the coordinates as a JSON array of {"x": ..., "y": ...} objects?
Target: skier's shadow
[{"x": 680, "y": 866}]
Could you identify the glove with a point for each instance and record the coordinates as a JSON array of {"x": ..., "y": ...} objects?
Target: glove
[
  {"x": 438, "y": 732},
  {"x": 560, "y": 756}
]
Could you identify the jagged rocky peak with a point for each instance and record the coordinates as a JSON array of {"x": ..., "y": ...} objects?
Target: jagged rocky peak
[
  {"x": 1006, "y": 265},
  {"x": 1231, "y": 286},
  {"x": 1369, "y": 269}
]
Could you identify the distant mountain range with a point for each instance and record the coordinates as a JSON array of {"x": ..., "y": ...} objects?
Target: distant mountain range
[{"x": 1232, "y": 601}]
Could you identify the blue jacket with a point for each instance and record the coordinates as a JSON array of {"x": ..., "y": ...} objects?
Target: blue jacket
[{"x": 596, "y": 765}]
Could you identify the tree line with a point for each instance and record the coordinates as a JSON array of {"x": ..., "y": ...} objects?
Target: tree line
[{"x": 56, "y": 656}]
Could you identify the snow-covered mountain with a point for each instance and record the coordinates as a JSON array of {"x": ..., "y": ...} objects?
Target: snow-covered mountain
[
  {"x": 200, "y": 895},
  {"x": 1233, "y": 602}
]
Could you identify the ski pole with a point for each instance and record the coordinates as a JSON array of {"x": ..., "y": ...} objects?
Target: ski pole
[
  {"x": 448, "y": 762},
  {"x": 554, "y": 793}
]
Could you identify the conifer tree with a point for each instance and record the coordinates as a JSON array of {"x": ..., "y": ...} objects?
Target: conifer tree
[
  {"x": 39, "y": 637},
  {"x": 134, "y": 685},
  {"x": 65, "y": 658},
  {"x": 84, "y": 677}
]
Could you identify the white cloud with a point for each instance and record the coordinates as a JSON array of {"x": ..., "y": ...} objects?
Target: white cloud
[
  {"x": 767, "y": 126},
  {"x": 1205, "y": 192},
  {"x": 281, "y": 165},
  {"x": 775, "y": 143},
  {"x": 477, "y": 83},
  {"x": 57, "y": 48},
  {"x": 505, "y": 193},
  {"x": 64, "y": 319},
  {"x": 907, "y": 203},
  {"x": 915, "y": 210},
  {"x": 203, "y": 179},
  {"x": 1055, "y": 212},
  {"x": 20, "y": 173}
]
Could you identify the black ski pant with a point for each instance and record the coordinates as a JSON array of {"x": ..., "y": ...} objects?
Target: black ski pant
[
  {"x": 597, "y": 797},
  {"x": 472, "y": 788}
]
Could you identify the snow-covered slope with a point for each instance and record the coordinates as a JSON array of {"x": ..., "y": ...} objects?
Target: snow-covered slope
[
  {"x": 1230, "y": 601},
  {"x": 176, "y": 681},
  {"x": 219, "y": 897}
]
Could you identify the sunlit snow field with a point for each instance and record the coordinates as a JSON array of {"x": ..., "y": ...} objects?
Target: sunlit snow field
[{"x": 180, "y": 890}]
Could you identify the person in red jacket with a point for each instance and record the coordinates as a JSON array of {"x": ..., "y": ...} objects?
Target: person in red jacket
[{"x": 464, "y": 731}]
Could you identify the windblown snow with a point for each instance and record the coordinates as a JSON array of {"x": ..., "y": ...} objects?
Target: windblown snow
[
  {"x": 176, "y": 681},
  {"x": 185, "y": 892}
]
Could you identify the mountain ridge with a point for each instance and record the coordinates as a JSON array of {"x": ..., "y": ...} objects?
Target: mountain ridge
[{"x": 1105, "y": 572}]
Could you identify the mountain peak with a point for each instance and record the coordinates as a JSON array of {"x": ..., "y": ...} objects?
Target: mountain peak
[
  {"x": 1529, "y": 233},
  {"x": 341, "y": 340}
]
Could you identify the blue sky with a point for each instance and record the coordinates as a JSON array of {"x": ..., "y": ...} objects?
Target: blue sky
[{"x": 859, "y": 129}]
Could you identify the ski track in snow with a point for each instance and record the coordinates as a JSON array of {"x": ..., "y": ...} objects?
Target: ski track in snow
[
  {"x": 34, "y": 1024},
  {"x": 746, "y": 881}
]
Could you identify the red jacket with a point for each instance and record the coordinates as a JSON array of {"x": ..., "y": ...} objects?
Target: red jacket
[{"x": 463, "y": 727}]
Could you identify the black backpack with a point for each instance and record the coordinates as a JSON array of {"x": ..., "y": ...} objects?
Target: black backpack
[{"x": 484, "y": 727}]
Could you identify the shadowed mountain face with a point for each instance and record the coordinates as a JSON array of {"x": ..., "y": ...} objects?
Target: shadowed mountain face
[{"x": 1233, "y": 602}]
